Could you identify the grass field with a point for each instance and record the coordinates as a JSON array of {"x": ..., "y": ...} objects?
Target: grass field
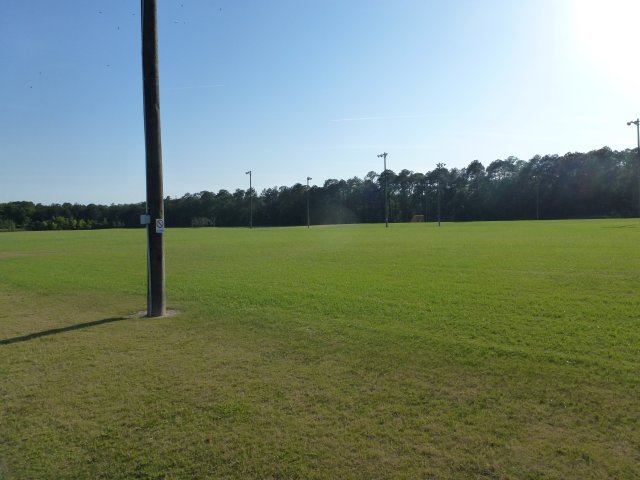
[{"x": 478, "y": 350}]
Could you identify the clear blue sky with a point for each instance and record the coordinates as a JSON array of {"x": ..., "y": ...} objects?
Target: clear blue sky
[{"x": 291, "y": 89}]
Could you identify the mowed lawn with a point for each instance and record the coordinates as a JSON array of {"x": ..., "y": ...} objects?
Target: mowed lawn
[{"x": 477, "y": 350}]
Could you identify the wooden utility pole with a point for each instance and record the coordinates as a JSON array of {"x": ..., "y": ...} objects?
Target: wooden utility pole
[{"x": 156, "y": 300}]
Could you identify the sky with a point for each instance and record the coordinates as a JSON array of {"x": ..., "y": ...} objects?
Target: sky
[{"x": 298, "y": 88}]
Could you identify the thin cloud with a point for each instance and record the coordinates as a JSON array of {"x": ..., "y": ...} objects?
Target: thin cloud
[
  {"x": 386, "y": 117},
  {"x": 512, "y": 135},
  {"x": 369, "y": 147},
  {"x": 189, "y": 87}
]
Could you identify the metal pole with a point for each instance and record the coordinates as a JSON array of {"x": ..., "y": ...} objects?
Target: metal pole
[
  {"x": 308, "y": 217},
  {"x": 156, "y": 301},
  {"x": 537, "y": 198},
  {"x": 439, "y": 165},
  {"x": 426, "y": 204},
  {"x": 386, "y": 195},
  {"x": 250, "y": 200},
  {"x": 636, "y": 122}
]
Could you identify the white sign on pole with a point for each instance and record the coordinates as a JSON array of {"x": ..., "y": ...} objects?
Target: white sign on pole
[
  {"x": 159, "y": 225},
  {"x": 145, "y": 219}
]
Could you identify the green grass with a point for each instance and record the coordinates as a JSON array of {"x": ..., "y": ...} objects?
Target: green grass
[{"x": 479, "y": 350}]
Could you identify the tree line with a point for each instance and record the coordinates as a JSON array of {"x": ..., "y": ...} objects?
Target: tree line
[{"x": 600, "y": 183}]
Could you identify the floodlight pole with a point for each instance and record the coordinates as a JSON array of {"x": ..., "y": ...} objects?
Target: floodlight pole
[
  {"x": 156, "y": 300},
  {"x": 250, "y": 200},
  {"x": 537, "y": 198},
  {"x": 308, "y": 217},
  {"x": 440, "y": 166},
  {"x": 637, "y": 124},
  {"x": 386, "y": 196},
  {"x": 426, "y": 202}
]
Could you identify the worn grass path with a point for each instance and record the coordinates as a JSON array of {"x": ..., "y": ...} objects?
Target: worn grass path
[{"x": 479, "y": 350}]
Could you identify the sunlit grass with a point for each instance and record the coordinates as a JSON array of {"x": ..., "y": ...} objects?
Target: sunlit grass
[{"x": 480, "y": 350}]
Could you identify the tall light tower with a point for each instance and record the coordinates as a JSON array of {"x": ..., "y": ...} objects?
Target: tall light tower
[
  {"x": 637, "y": 124},
  {"x": 156, "y": 301},
  {"x": 440, "y": 167},
  {"x": 426, "y": 200},
  {"x": 308, "y": 217},
  {"x": 250, "y": 200},
  {"x": 386, "y": 196}
]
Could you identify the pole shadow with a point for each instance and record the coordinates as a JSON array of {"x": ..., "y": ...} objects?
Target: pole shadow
[{"x": 55, "y": 331}]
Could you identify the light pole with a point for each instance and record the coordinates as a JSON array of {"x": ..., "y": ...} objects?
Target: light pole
[
  {"x": 156, "y": 301},
  {"x": 386, "y": 196},
  {"x": 250, "y": 200},
  {"x": 426, "y": 201},
  {"x": 308, "y": 217},
  {"x": 537, "y": 197},
  {"x": 440, "y": 167},
  {"x": 637, "y": 124}
]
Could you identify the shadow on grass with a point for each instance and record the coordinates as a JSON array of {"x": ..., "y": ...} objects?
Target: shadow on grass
[{"x": 54, "y": 331}]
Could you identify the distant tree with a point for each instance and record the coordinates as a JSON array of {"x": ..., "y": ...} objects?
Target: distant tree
[{"x": 597, "y": 183}]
